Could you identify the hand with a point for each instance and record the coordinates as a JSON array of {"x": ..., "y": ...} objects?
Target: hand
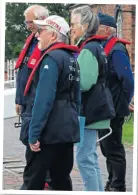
[
  {"x": 35, "y": 147},
  {"x": 131, "y": 107},
  {"x": 18, "y": 109}
]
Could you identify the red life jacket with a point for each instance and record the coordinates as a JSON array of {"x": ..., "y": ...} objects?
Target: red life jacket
[
  {"x": 56, "y": 46},
  {"x": 96, "y": 37},
  {"x": 110, "y": 44},
  {"x": 33, "y": 58}
]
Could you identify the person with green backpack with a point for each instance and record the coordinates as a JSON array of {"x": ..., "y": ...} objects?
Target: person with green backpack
[{"x": 96, "y": 101}]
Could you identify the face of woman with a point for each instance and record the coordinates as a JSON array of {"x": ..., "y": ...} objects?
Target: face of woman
[{"x": 76, "y": 28}]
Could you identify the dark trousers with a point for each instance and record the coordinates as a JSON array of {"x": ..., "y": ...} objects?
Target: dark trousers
[
  {"x": 57, "y": 158},
  {"x": 113, "y": 149}
]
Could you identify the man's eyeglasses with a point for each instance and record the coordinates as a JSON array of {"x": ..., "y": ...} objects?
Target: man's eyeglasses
[
  {"x": 39, "y": 30},
  {"x": 28, "y": 22}
]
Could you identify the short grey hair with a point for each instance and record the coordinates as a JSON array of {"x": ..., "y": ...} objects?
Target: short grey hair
[
  {"x": 113, "y": 31},
  {"x": 87, "y": 16},
  {"x": 39, "y": 11},
  {"x": 60, "y": 37}
]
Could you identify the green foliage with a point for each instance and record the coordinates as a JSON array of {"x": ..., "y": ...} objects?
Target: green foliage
[
  {"x": 128, "y": 130},
  {"x": 16, "y": 31}
]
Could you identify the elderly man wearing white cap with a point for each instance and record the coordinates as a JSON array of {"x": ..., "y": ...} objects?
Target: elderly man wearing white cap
[{"x": 54, "y": 126}]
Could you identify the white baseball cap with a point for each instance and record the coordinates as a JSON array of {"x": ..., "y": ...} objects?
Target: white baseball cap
[{"x": 56, "y": 22}]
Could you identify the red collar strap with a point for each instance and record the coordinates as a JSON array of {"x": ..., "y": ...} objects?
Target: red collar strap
[
  {"x": 110, "y": 44},
  {"x": 24, "y": 50},
  {"x": 96, "y": 37},
  {"x": 55, "y": 46}
]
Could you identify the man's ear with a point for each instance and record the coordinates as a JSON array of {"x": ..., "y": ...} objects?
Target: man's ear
[
  {"x": 54, "y": 35},
  {"x": 107, "y": 29}
]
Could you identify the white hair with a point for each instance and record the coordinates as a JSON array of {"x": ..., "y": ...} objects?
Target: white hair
[
  {"x": 39, "y": 11},
  {"x": 60, "y": 37},
  {"x": 113, "y": 31}
]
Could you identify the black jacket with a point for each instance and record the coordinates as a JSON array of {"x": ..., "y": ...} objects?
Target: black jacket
[
  {"x": 120, "y": 99},
  {"x": 60, "y": 124}
]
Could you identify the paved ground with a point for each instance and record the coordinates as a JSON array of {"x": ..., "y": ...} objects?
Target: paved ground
[{"x": 14, "y": 150}]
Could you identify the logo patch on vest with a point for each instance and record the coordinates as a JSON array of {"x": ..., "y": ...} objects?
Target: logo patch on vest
[
  {"x": 33, "y": 61},
  {"x": 46, "y": 67}
]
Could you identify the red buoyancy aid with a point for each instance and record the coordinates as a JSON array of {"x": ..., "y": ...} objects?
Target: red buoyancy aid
[
  {"x": 110, "y": 44},
  {"x": 56, "y": 46},
  {"x": 33, "y": 58},
  {"x": 96, "y": 37}
]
